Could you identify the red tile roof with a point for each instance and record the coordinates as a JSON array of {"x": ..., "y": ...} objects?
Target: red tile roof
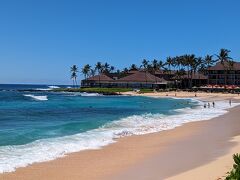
[
  {"x": 165, "y": 72},
  {"x": 220, "y": 66},
  {"x": 142, "y": 77},
  {"x": 103, "y": 77}
]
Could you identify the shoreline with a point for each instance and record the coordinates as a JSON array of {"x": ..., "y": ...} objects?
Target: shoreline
[{"x": 117, "y": 166}]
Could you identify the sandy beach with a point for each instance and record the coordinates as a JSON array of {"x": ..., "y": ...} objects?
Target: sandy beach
[{"x": 202, "y": 150}]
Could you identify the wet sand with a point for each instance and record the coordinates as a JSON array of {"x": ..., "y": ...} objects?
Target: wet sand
[{"x": 199, "y": 150}]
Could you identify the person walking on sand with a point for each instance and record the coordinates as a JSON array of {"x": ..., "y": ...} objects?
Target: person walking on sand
[
  {"x": 213, "y": 104},
  {"x": 230, "y": 102}
]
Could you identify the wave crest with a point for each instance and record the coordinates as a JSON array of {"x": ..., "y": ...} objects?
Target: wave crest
[
  {"x": 39, "y": 98},
  {"x": 12, "y": 157}
]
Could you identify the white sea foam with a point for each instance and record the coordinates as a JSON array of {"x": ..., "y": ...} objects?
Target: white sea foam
[
  {"x": 48, "y": 89},
  {"x": 53, "y": 87},
  {"x": 38, "y": 98},
  {"x": 82, "y": 94},
  {"x": 90, "y": 94},
  {"x": 12, "y": 157}
]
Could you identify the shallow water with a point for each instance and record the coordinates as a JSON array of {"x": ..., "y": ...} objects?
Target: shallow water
[{"x": 40, "y": 126}]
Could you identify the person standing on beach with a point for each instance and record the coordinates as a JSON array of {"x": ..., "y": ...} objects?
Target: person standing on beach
[
  {"x": 208, "y": 105},
  {"x": 230, "y": 102},
  {"x": 213, "y": 104}
]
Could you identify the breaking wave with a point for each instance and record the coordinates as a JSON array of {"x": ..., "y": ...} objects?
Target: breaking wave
[
  {"x": 38, "y": 98},
  {"x": 12, "y": 157}
]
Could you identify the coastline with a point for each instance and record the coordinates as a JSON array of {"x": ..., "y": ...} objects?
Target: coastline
[{"x": 134, "y": 154}]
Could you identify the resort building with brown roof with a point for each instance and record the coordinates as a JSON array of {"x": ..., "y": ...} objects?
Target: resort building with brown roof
[
  {"x": 226, "y": 73},
  {"x": 136, "y": 79}
]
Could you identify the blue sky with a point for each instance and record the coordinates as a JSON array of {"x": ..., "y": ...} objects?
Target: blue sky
[{"x": 40, "y": 40}]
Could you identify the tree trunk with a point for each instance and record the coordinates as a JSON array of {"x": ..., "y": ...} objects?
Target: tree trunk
[
  {"x": 76, "y": 81},
  {"x": 99, "y": 79}
]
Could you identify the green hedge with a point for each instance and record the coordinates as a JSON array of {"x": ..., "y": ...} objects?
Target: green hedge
[{"x": 234, "y": 174}]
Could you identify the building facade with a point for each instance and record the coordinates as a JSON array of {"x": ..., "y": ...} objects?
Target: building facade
[{"x": 224, "y": 74}]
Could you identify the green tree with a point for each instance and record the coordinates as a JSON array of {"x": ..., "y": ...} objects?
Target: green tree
[
  {"x": 224, "y": 59},
  {"x": 98, "y": 67},
  {"x": 169, "y": 63},
  {"x": 133, "y": 67},
  {"x": 208, "y": 60},
  {"x": 145, "y": 66},
  {"x": 74, "y": 71},
  {"x": 86, "y": 70},
  {"x": 234, "y": 174}
]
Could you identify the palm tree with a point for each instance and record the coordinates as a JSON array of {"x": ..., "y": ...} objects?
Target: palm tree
[
  {"x": 196, "y": 65},
  {"x": 98, "y": 67},
  {"x": 189, "y": 61},
  {"x": 74, "y": 71},
  {"x": 134, "y": 67},
  {"x": 106, "y": 68},
  {"x": 111, "y": 69},
  {"x": 179, "y": 74},
  {"x": 92, "y": 72},
  {"x": 155, "y": 67},
  {"x": 125, "y": 70},
  {"x": 86, "y": 70},
  {"x": 208, "y": 60},
  {"x": 193, "y": 65},
  {"x": 224, "y": 58},
  {"x": 161, "y": 64},
  {"x": 169, "y": 63},
  {"x": 118, "y": 71},
  {"x": 145, "y": 65}
]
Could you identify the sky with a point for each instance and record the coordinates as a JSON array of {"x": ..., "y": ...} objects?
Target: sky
[{"x": 41, "y": 39}]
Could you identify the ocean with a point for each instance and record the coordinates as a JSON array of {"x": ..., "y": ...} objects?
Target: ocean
[{"x": 37, "y": 126}]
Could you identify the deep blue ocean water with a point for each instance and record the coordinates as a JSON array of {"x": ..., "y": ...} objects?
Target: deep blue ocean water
[{"x": 38, "y": 126}]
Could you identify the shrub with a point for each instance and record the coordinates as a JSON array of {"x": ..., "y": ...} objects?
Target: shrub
[{"x": 234, "y": 174}]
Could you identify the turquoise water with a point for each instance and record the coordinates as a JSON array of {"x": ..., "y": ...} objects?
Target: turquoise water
[
  {"x": 24, "y": 119},
  {"x": 38, "y": 126}
]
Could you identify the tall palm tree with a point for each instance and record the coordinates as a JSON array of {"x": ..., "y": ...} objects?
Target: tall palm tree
[
  {"x": 106, "y": 68},
  {"x": 86, "y": 70},
  {"x": 161, "y": 64},
  {"x": 196, "y": 65},
  {"x": 179, "y": 74},
  {"x": 224, "y": 58},
  {"x": 92, "y": 72},
  {"x": 208, "y": 60},
  {"x": 169, "y": 63},
  {"x": 73, "y": 77},
  {"x": 74, "y": 71},
  {"x": 145, "y": 65},
  {"x": 155, "y": 67},
  {"x": 189, "y": 61},
  {"x": 98, "y": 67}
]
